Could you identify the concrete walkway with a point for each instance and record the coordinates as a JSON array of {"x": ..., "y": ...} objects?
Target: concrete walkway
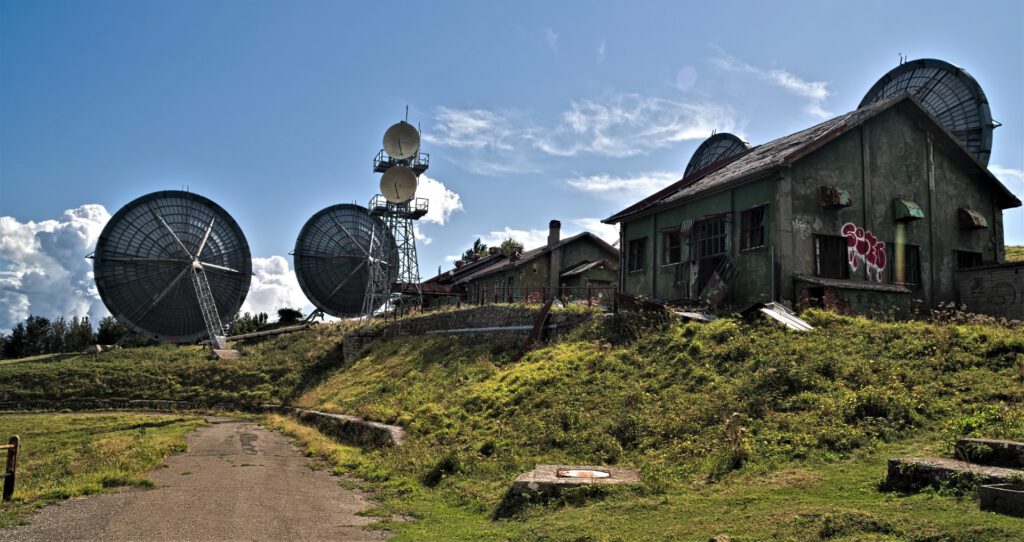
[{"x": 237, "y": 481}]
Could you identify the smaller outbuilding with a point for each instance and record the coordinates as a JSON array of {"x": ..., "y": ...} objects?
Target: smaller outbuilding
[{"x": 579, "y": 267}]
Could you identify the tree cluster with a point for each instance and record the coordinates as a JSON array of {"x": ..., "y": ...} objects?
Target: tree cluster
[
  {"x": 38, "y": 335},
  {"x": 247, "y": 323}
]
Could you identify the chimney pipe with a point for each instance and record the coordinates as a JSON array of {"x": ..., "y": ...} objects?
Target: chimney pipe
[{"x": 554, "y": 233}]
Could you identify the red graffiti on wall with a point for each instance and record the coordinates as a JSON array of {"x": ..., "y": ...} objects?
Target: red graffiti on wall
[{"x": 863, "y": 247}]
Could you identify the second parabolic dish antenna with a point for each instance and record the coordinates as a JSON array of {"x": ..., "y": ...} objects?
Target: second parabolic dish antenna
[
  {"x": 334, "y": 254},
  {"x": 949, "y": 93},
  {"x": 402, "y": 140},
  {"x": 398, "y": 184},
  {"x": 161, "y": 259},
  {"x": 713, "y": 149}
]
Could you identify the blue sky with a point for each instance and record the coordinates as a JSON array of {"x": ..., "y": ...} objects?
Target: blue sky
[{"x": 530, "y": 110}]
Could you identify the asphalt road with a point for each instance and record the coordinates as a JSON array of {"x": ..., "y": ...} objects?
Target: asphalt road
[{"x": 237, "y": 481}]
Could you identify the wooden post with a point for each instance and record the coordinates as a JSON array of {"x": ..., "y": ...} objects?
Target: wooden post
[
  {"x": 615, "y": 299},
  {"x": 589, "y": 302},
  {"x": 12, "y": 466}
]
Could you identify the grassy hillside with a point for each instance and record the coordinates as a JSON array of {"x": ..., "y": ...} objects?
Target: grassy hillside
[
  {"x": 269, "y": 371},
  {"x": 67, "y": 455},
  {"x": 1015, "y": 254},
  {"x": 822, "y": 412}
]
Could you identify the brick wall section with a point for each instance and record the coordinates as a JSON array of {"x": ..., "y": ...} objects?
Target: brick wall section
[
  {"x": 994, "y": 290},
  {"x": 487, "y": 316}
]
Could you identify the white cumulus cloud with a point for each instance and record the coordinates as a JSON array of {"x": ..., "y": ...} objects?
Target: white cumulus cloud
[
  {"x": 274, "y": 286},
  {"x": 442, "y": 200},
  {"x": 608, "y": 232},
  {"x": 623, "y": 189},
  {"x": 43, "y": 266}
]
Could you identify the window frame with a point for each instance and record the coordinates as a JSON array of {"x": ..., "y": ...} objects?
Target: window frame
[
  {"x": 666, "y": 254},
  {"x": 840, "y": 246},
  {"x": 705, "y": 237},
  {"x": 747, "y": 228},
  {"x": 906, "y": 263},
  {"x": 636, "y": 255},
  {"x": 964, "y": 254}
]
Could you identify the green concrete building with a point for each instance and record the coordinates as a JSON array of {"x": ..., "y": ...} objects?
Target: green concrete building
[
  {"x": 564, "y": 268},
  {"x": 872, "y": 211}
]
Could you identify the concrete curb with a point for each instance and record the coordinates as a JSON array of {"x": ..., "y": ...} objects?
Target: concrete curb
[{"x": 345, "y": 428}]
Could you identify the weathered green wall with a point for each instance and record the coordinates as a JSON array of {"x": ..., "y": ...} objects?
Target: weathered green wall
[
  {"x": 675, "y": 281},
  {"x": 890, "y": 157}
]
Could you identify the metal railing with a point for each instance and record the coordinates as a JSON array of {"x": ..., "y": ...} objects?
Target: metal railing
[
  {"x": 13, "y": 446},
  {"x": 593, "y": 296}
]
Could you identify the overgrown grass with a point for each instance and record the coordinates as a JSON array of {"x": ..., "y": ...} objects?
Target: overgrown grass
[
  {"x": 818, "y": 415},
  {"x": 67, "y": 455},
  {"x": 1015, "y": 254},
  {"x": 268, "y": 371},
  {"x": 829, "y": 405}
]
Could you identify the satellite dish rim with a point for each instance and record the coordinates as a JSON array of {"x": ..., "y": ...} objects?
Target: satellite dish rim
[
  {"x": 300, "y": 268},
  {"x": 393, "y": 140},
  {"x": 984, "y": 152},
  {"x": 232, "y": 225},
  {"x": 395, "y": 181}
]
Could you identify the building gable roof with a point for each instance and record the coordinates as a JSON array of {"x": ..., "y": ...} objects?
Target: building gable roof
[
  {"x": 499, "y": 263},
  {"x": 763, "y": 159}
]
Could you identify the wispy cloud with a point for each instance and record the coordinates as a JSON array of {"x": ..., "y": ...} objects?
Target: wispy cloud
[
  {"x": 529, "y": 238},
  {"x": 814, "y": 92},
  {"x": 602, "y": 50},
  {"x": 623, "y": 189},
  {"x": 492, "y": 141},
  {"x": 1011, "y": 176},
  {"x": 551, "y": 39},
  {"x": 617, "y": 125},
  {"x": 471, "y": 128},
  {"x": 630, "y": 124}
]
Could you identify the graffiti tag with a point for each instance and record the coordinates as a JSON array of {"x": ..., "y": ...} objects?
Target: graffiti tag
[{"x": 863, "y": 248}]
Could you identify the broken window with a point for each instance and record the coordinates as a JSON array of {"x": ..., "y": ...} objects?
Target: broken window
[
  {"x": 673, "y": 243},
  {"x": 752, "y": 227},
  {"x": 636, "y": 255},
  {"x": 708, "y": 237},
  {"x": 967, "y": 260},
  {"x": 831, "y": 259}
]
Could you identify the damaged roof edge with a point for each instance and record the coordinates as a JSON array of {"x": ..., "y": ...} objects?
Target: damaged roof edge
[{"x": 835, "y": 128}]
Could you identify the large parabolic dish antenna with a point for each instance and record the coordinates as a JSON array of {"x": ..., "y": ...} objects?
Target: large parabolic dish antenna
[
  {"x": 149, "y": 254},
  {"x": 715, "y": 148},
  {"x": 334, "y": 254},
  {"x": 947, "y": 92}
]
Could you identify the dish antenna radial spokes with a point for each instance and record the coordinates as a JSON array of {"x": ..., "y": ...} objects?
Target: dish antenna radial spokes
[
  {"x": 151, "y": 264},
  {"x": 950, "y": 94},
  {"x": 344, "y": 257},
  {"x": 714, "y": 149}
]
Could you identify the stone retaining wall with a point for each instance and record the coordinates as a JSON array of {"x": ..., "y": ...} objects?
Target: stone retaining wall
[{"x": 487, "y": 316}]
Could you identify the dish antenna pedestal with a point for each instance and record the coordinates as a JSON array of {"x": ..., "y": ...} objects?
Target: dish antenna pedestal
[{"x": 402, "y": 163}]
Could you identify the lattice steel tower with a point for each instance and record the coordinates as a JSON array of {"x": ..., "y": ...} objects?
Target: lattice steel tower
[{"x": 401, "y": 164}]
